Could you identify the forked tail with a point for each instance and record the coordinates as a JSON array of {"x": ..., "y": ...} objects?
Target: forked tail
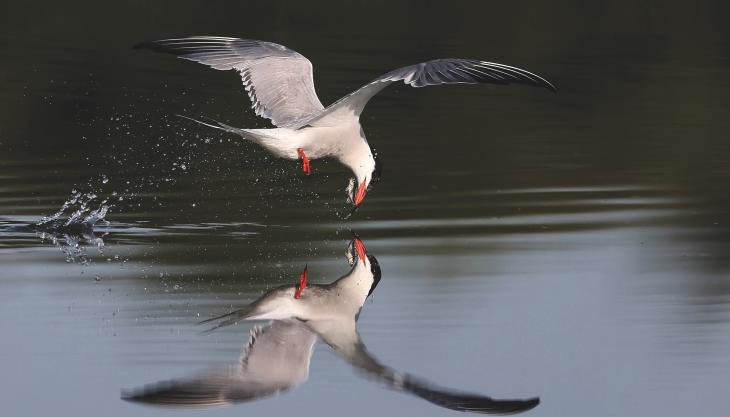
[
  {"x": 229, "y": 318},
  {"x": 218, "y": 125}
]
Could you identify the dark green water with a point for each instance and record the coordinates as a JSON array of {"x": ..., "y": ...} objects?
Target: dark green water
[{"x": 572, "y": 247}]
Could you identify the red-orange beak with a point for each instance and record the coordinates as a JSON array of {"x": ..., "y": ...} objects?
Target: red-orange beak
[
  {"x": 360, "y": 249},
  {"x": 361, "y": 191}
]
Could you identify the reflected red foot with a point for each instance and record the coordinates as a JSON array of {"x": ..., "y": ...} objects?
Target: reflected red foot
[
  {"x": 302, "y": 283},
  {"x": 305, "y": 161},
  {"x": 360, "y": 249}
]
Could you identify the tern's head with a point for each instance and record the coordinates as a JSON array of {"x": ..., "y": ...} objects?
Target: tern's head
[
  {"x": 356, "y": 253},
  {"x": 367, "y": 173}
]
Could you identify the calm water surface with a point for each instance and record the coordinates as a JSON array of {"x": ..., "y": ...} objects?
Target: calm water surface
[{"x": 572, "y": 247}]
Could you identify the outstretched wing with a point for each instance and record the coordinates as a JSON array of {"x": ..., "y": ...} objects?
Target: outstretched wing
[
  {"x": 343, "y": 338},
  {"x": 278, "y": 80},
  {"x": 436, "y": 72},
  {"x": 275, "y": 359}
]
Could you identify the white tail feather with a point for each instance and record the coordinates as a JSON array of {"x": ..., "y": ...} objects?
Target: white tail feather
[{"x": 221, "y": 126}]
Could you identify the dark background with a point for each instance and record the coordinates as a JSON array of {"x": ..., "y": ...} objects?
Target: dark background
[{"x": 571, "y": 246}]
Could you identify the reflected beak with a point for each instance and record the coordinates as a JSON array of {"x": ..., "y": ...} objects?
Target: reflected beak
[{"x": 360, "y": 249}]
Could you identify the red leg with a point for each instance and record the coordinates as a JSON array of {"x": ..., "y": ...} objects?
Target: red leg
[
  {"x": 302, "y": 284},
  {"x": 305, "y": 160}
]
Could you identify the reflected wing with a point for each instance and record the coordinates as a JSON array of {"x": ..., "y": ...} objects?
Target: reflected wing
[
  {"x": 275, "y": 359},
  {"x": 278, "y": 80},
  {"x": 460, "y": 401},
  {"x": 436, "y": 72},
  {"x": 345, "y": 340}
]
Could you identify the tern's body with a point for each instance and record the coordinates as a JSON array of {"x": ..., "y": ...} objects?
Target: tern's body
[
  {"x": 337, "y": 301},
  {"x": 344, "y": 141},
  {"x": 280, "y": 83}
]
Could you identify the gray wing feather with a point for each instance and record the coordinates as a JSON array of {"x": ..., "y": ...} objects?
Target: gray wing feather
[
  {"x": 346, "y": 342},
  {"x": 278, "y": 80},
  {"x": 361, "y": 359},
  {"x": 436, "y": 72},
  {"x": 275, "y": 359}
]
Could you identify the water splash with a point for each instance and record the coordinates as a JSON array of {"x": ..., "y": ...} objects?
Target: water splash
[
  {"x": 71, "y": 228},
  {"x": 74, "y": 246},
  {"x": 77, "y": 211},
  {"x": 75, "y": 196}
]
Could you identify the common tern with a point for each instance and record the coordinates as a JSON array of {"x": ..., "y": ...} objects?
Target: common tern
[{"x": 280, "y": 85}]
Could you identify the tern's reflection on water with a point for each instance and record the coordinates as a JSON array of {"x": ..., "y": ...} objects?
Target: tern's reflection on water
[{"x": 277, "y": 356}]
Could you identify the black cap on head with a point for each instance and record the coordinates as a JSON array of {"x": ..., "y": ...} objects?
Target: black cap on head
[{"x": 375, "y": 270}]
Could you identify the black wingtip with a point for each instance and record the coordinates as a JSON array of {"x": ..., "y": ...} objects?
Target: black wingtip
[
  {"x": 531, "y": 403},
  {"x": 460, "y": 401},
  {"x": 173, "y": 394},
  {"x": 542, "y": 82},
  {"x": 182, "y": 46},
  {"x": 131, "y": 396}
]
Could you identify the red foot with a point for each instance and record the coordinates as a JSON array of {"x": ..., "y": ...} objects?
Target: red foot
[
  {"x": 302, "y": 283},
  {"x": 360, "y": 249},
  {"x": 305, "y": 160}
]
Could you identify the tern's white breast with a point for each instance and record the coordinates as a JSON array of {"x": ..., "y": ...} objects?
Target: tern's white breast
[
  {"x": 331, "y": 141},
  {"x": 317, "y": 142}
]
